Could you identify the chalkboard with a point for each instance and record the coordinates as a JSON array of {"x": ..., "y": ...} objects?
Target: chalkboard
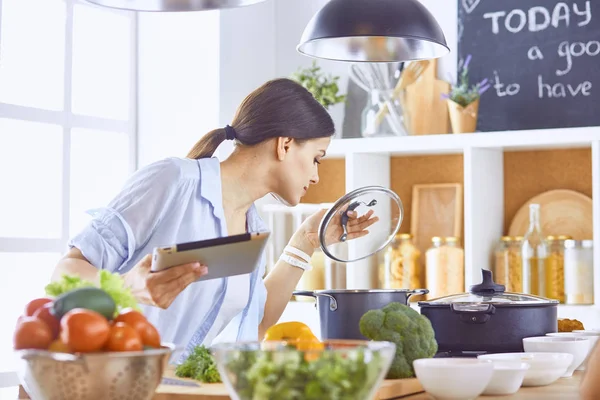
[{"x": 542, "y": 58}]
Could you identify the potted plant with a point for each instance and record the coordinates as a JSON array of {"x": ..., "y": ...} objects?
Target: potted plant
[
  {"x": 463, "y": 100},
  {"x": 324, "y": 88}
]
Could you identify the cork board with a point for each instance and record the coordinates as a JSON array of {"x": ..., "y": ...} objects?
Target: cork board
[
  {"x": 332, "y": 182},
  {"x": 414, "y": 170},
  {"x": 529, "y": 173}
]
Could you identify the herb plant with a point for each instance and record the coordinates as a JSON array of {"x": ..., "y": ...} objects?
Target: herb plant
[
  {"x": 462, "y": 92},
  {"x": 324, "y": 88}
]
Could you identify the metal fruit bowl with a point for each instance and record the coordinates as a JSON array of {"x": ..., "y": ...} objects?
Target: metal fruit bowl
[
  {"x": 132, "y": 375},
  {"x": 346, "y": 369}
]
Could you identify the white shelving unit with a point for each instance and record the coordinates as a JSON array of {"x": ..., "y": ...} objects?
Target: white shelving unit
[{"x": 367, "y": 162}]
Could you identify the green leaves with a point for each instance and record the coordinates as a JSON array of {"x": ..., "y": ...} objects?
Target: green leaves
[{"x": 324, "y": 88}]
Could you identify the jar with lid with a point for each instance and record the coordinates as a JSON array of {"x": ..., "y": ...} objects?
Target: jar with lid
[
  {"x": 507, "y": 264},
  {"x": 554, "y": 274},
  {"x": 579, "y": 271},
  {"x": 401, "y": 268},
  {"x": 444, "y": 264}
]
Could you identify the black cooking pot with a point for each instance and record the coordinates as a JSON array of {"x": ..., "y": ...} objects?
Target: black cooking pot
[
  {"x": 340, "y": 310},
  {"x": 488, "y": 319}
]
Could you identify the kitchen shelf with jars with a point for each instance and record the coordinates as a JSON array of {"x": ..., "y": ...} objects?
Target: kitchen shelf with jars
[{"x": 498, "y": 175}]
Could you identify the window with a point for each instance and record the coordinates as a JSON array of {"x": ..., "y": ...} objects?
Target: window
[{"x": 67, "y": 136}]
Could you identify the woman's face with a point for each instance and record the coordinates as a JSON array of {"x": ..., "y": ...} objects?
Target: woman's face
[{"x": 299, "y": 167}]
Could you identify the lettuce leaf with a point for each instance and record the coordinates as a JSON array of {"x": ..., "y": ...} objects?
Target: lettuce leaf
[{"x": 111, "y": 283}]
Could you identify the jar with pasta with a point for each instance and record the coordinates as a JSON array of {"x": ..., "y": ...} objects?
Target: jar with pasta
[
  {"x": 445, "y": 270},
  {"x": 554, "y": 274},
  {"x": 507, "y": 264},
  {"x": 401, "y": 267}
]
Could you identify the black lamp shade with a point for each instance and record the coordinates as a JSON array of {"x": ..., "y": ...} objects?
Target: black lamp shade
[
  {"x": 173, "y": 5},
  {"x": 373, "y": 31}
]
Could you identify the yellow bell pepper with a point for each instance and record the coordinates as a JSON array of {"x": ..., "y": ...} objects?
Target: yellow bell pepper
[{"x": 295, "y": 333}]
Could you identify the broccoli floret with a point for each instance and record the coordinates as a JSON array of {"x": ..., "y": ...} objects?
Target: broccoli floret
[{"x": 410, "y": 331}]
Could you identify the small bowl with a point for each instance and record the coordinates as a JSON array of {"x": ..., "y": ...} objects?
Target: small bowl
[
  {"x": 507, "y": 377},
  {"x": 544, "y": 368},
  {"x": 453, "y": 378},
  {"x": 593, "y": 337},
  {"x": 577, "y": 346}
]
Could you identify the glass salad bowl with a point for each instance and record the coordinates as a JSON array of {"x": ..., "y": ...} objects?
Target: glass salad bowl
[{"x": 280, "y": 370}]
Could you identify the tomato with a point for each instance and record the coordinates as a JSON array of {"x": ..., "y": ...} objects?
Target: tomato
[
  {"x": 32, "y": 333},
  {"x": 35, "y": 304},
  {"x": 123, "y": 337},
  {"x": 84, "y": 331},
  {"x": 44, "y": 313},
  {"x": 58, "y": 346},
  {"x": 148, "y": 333}
]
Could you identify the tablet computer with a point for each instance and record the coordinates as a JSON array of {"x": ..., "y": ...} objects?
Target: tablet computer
[{"x": 224, "y": 256}]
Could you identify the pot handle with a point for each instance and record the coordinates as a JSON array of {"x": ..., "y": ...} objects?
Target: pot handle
[
  {"x": 416, "y": 292},
  {"x": 332, "y": 301},
  {"x": 474, "y": 313}
]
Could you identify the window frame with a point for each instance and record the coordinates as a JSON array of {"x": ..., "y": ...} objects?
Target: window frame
[{"x": 68, "y": 120}]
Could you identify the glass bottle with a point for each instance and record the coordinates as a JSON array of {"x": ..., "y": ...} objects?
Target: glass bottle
[{"x": 534, "y": 252}]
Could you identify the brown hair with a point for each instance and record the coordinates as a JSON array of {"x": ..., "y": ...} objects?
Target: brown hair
[{"x": 280, "y": 107}]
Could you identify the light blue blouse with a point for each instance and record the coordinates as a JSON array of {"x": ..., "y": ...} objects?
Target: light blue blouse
[{"x": 171, "y": 201}]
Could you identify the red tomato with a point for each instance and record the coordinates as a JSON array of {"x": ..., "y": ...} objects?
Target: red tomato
[
  {"x": 32, "y": 333},
  {"x": 84, "y": 331},
  {"x": 34, "y": 304},
  {"x": 123, "y": 337},
  {"x": 45, "y": 314},
  {"x": 137, "y": 320}
]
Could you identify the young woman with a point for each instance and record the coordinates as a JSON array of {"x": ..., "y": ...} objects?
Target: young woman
[{"x": 281, "y": 133}]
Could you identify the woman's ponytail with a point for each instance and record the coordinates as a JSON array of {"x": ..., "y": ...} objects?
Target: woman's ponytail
[{"x": 207, "y": 145}]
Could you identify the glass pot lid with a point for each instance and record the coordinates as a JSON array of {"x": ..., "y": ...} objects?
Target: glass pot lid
[
  {"x": 378, "y": 211},
  {"x": 489, "y": 292}
]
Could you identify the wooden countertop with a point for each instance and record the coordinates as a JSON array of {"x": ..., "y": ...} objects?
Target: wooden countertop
[{"x": 563, "y": 389}]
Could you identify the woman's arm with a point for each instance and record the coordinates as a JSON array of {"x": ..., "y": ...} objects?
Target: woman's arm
[
  {"x": 281, "y": 282},
  {"x": 74, "y": 263},
  {"x": 589, "y": 388}
]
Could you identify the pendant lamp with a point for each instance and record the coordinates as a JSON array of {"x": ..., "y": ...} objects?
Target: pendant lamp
[
  {"x": 173, "y": 5},
  {"x": 373, "y": 31}
]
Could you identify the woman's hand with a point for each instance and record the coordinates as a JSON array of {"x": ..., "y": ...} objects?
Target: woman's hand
[
  {"x": 161, "y": 288},
  {"x": 309, "y": 230}
]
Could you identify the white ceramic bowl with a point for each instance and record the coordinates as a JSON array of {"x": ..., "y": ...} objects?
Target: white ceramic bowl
[
  {"x": 507, "y": 377},
  {"x": 454, "y": 378},
  {"x": 577, "y": 346},
  {"x": 544, "y": 368},
  {"x": 593, "y": 337}
]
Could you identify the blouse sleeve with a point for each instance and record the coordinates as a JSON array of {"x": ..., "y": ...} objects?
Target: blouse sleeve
[{"x": 117, "y": 230}]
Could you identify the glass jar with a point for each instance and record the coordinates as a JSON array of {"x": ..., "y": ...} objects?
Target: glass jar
[
  {"x": 507, "y": 264},
  {"x": 579, "y": 271},
  {"x": 382, "y": 115},
  {"x": 444, "y": 264},
  {"x": 554, "y": 275},
  {"x": 315, "y": 278},
  {"x": 401, "y": 268},
  {"x": 534, "y": 251}
]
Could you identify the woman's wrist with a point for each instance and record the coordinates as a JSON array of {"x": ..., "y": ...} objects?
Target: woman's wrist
[{"x": 301, "y": 242}]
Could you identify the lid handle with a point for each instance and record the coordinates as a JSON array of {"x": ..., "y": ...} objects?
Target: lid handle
[{"x": 487, "y": 286}]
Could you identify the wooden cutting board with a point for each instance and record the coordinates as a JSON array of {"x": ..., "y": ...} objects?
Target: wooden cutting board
[
  {"x": 562, "y": 212},
  {"x": 390, "y": 389},
  {"x": 428, "y": 112}
]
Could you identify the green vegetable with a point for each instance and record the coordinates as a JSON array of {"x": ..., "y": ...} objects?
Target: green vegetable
[
  {"x": 199, "y": 365},
  {"x": 324, "y": 88},
  {"x": 410, "y": 331},
  {"x": 111, "y": 283},
  {"x": 287, "y": 375},
  {"x": 90, "y": 298}
]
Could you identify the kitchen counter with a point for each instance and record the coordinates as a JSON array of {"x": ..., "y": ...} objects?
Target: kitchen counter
[{"x": 562, "y": 389}]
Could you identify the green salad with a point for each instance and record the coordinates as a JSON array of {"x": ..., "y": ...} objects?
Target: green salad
[{"x": 287, "y": 375}]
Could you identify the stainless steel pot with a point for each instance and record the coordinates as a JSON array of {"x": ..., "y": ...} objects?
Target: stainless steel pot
[{"x": 340, "y": 310}]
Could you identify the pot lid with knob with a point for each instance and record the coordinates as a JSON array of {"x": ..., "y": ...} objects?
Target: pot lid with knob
[{"x": 489, "y": 292}]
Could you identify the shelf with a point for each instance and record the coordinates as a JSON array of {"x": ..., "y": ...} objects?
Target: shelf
[{"x": 541, "y": 139}]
